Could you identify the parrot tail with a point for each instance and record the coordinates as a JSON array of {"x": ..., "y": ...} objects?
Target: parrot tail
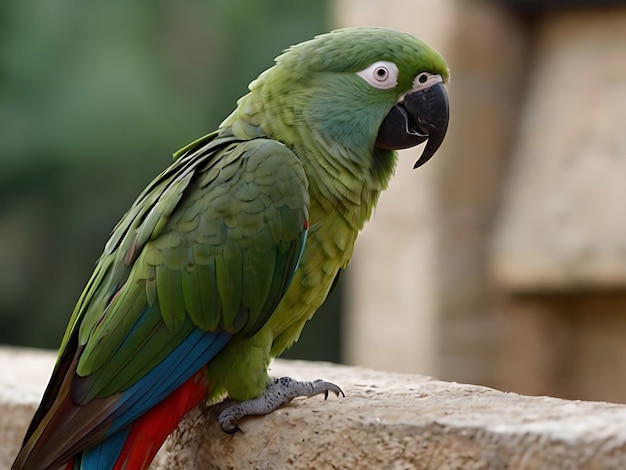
[{"x": 136, "y": 445}]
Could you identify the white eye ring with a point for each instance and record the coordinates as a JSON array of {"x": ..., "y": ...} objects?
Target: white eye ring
[{"x": 381, "y": 74}]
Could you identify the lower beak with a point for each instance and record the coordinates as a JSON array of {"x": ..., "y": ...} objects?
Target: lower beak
[{"x": 421, "y": 115}]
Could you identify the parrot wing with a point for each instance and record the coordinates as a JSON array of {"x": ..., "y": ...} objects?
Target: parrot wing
[{"x": 205, "y": 254}]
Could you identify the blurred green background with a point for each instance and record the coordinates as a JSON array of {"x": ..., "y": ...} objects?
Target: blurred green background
[{"x": 94, "y": 98}]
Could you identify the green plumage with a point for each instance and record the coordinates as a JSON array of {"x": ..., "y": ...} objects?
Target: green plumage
[{"x": 214, "y": 237}]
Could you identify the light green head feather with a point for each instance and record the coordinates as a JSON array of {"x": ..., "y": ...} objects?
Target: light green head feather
[
  {"x": 314, "y": 87},
  {"x": 315, "y": 101}
]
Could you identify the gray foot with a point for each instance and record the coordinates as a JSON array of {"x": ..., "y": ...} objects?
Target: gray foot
[{"x": 278, "y": 392}]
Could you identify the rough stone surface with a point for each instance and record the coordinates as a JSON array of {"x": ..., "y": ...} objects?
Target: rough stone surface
[
  {"x": 563, "y": 225},
  {"x": 385, "y": 421},
  {"x": 24, "y": 374}
]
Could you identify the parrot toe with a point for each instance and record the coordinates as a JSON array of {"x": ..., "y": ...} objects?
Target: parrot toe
[{"x": 279, "y": 391}]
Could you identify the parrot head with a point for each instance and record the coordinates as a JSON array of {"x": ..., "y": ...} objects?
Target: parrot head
[{"x": 372, "y": 89}]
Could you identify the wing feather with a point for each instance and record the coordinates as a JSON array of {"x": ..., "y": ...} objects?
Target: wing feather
[{"x": 206, "y": 253}]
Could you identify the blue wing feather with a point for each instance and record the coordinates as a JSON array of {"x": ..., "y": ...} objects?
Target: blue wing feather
[{"x": 195, "y": 351}]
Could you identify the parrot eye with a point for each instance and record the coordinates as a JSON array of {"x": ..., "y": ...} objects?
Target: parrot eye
[{"x": 382, "y": 74}]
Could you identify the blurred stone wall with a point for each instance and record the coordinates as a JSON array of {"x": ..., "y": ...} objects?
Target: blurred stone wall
[
  {"x": 503, "y": 261},
  {"x": 559, "y": 249}
]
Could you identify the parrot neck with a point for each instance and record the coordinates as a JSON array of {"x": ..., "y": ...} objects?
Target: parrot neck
[
  {"x": 345, "y": 177},
  {"x": 338, "y": 188}
]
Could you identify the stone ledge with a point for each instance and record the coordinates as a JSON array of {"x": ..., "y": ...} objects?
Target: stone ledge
[{"x": 385, "y": 421}]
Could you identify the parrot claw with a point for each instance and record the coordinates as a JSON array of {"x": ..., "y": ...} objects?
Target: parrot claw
[{"x": 278, "y": 392}]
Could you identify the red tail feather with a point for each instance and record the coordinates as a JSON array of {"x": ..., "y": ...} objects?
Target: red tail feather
[{"x": 150, "y": 430}]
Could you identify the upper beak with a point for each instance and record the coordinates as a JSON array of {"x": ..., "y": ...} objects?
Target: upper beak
[{"x": 420, "y": 115}]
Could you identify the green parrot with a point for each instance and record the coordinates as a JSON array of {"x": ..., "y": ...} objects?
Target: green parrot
[{"x": 227, "y": 253}]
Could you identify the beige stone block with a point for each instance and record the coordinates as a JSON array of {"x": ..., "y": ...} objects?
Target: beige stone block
[
  {"x": 562, "y": 225},
  {"x": 24, "y": 374},
  {"x": 385, "y": 421}
]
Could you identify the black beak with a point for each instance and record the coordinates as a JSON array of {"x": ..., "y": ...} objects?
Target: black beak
[{"x": 421, "y": 115}]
